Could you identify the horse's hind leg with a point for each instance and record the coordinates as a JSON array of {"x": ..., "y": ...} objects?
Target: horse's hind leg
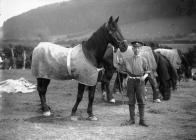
[
  {"x": 91, "y": 93},
  {"x": 81, "y": 88},
  {"x": 42, "y": 85},
  {"x": 104, "y": 90}
]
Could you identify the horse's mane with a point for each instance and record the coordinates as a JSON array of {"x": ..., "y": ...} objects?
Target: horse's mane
[
  {"x": 95, "y": 37},
  {"x": 95, "y": 46}
]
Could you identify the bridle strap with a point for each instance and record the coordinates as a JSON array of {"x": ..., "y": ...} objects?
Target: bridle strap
[{"x": 110, "y": 32}]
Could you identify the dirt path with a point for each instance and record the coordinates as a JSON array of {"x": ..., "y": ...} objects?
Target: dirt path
[{"x": 20, "y": 117}]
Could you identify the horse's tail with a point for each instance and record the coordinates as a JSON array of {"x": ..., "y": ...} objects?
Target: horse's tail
[{"x": 35, "y": 60}]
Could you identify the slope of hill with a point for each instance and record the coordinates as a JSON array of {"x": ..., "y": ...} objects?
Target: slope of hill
[
  {"x": 79, "y": 16},
  {"x": 168, "y": 28}
]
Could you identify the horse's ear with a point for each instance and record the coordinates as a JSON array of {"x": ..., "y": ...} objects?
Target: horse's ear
[
  {"x": 110, "y": 20},
  {"x": 116, "y": 20}
]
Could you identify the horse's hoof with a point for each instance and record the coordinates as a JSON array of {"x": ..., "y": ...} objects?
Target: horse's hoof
[
  {"x": 47, "y": 113},
  {"x": 92, "y": 118},
  {"x": 157, "y": 101},
  {"x": 112, "y": 101},
  {"x": 75, "y": 118}
]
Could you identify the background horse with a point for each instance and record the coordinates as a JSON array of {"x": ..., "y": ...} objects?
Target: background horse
[
  {"x": 49, "y": 62},
  {"x": 185, "y": 67},
  {"x": 166, "y": 76}
]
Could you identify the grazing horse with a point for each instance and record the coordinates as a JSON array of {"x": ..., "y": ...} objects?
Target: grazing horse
[
  {"x": 167, "y": 75},
  {"x": 165, "y": 71},
  {"x": 185, "y": 68},
  {"x": 178, "y": 60},
  {"x": 51, "y": 61}
]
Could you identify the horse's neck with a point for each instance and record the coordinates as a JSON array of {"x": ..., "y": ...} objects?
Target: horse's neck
[
  {"x": 94, "y": 48},
  {"x": 108, "y": 57}
]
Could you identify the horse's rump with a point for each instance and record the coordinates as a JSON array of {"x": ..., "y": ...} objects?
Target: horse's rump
[
  {"x": 51, "y": 61},
  {"x": 172, "y": 55}
]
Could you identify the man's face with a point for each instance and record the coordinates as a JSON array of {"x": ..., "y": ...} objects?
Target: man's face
[{"x": 136, "y": 50}]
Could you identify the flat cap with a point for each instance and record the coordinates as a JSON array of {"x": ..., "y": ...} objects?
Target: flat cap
[{"x": 137, "y": 44}]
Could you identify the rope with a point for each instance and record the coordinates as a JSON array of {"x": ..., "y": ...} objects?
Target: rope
[{"x": 121, "y": 89}]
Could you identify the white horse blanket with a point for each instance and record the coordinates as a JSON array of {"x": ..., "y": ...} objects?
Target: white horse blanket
[
  {"x": 145, "y": 51},
  {"x": 53, "y": 61},
  {"x": 172, "y": 55}
]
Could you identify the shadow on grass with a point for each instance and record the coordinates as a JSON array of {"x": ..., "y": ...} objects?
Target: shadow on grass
[{"x": 104, "y": 103}]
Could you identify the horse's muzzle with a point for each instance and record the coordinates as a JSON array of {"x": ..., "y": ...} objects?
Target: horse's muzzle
[{"x": 123, "y": 46}]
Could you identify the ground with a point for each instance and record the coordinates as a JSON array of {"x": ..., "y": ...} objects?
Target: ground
[{"x": 21, "y": 119}]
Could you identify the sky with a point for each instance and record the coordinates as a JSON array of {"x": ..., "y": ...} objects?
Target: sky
[{"x": 10, "y": 8}]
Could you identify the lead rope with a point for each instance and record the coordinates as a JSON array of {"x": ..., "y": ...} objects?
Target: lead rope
[
  {"x": 121, "y": 88},
  {"x": 121, "y": 91}
]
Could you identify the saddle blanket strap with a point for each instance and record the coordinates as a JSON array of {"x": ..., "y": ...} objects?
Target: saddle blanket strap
[{"x": 69, "y": 61}]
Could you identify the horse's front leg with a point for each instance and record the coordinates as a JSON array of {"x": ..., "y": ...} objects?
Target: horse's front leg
[
  {"x": 81, "y": 88},
  {"x": 91, "y": 93},
  {"x": 42, "y": 85}
]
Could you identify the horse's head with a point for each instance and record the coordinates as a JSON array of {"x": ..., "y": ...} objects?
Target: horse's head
[
  {"x": 115, "y": 36},
  {"x": 185, "y": 67}
]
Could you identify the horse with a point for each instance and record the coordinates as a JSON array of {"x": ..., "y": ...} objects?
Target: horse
[
  {"x": 166, "y": 75},
  {"x": 178, "y": 60},
  {"x": 51, "y": 61},
  {"x": 185, "y": 66}
]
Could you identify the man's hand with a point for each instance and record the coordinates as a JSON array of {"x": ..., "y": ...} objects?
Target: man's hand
[
  {"x": 144, "y": 77},
  {"x": 124, "y": 83}
]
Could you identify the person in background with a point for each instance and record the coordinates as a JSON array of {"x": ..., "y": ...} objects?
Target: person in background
[{"x": 137, "y": 70}]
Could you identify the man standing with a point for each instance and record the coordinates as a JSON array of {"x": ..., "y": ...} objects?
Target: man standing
[{"x": 136, "y": 68}]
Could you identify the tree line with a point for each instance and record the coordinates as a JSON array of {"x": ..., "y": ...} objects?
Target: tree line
[
  {"x": 16, "y": 56},
  {"x": 19, "y": 56}
]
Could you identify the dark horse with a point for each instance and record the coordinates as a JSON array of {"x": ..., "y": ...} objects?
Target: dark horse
[
  {"x": 165, "y": 79},
  {"x": 185, "y": 68},
  {"x": 94, "y": 49}
]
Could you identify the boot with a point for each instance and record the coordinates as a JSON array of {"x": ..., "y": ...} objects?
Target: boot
[
  {"x": 141, "y": 114},
  {"x": 132, "y": 114}
]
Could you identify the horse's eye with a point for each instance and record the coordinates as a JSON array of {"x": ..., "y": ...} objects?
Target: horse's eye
[
  {"x": 113, "y": 29},
  {"x": 110, "y": 32}
]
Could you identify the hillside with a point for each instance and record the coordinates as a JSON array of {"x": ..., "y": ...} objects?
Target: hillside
[
  {"x": 81, "y": 17},
  {"x": 166, "y": 28}
]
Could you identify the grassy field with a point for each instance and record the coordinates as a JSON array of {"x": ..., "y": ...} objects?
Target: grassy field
[{"x": 21, "y": 119}]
